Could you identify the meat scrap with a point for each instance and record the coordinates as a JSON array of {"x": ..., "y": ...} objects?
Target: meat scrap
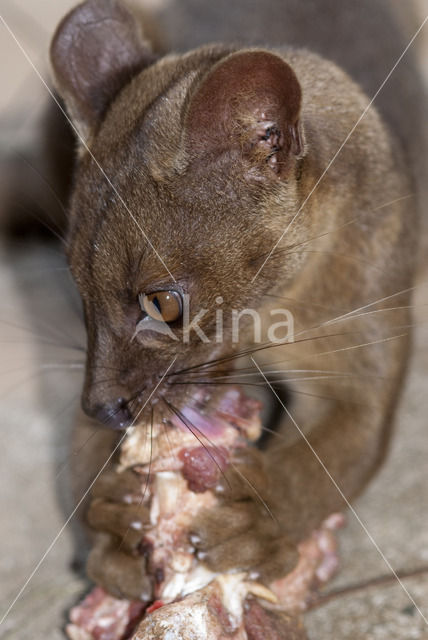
[
  {"x": 102, "y": 617},
  {"x": 191, "y": 602}
]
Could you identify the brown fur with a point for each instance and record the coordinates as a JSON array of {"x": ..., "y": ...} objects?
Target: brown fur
[{"x": 183, "y": 143}]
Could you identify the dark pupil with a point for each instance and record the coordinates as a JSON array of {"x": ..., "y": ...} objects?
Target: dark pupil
[{"x": 156, "y": 302}]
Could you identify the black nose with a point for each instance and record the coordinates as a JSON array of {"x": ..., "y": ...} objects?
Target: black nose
[{"x": 115, "y": 415}]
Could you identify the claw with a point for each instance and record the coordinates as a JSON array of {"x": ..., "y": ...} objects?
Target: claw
[{"x": 260, "y": 591}]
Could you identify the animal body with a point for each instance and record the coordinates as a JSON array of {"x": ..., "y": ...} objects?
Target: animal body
[{"x": 218, "y": 178}]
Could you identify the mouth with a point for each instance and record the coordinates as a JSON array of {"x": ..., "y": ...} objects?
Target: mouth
[
  {"x": 213, "y": 426},
  {"x": 232, "y": 408}
]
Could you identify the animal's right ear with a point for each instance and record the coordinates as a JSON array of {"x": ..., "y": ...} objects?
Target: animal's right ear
[{"x": 96, "y": 50}]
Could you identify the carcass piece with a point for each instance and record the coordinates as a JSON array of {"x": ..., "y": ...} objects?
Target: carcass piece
[
  {"x": 204, "y": 615},
  {"x": 184, "y": 461},
  {"x": 191, "y": 602},
  {"x": 102, "y": 617}
]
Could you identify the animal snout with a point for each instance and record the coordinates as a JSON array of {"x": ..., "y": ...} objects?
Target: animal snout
[{"x": 115, "y": 415}]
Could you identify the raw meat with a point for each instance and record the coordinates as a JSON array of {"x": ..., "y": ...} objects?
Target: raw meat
[{"x": 191, "y": 602}]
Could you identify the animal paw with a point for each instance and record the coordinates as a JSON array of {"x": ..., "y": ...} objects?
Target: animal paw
[
  {"x": 120, "y": 517},
  {"x": 242, "y": 532}
]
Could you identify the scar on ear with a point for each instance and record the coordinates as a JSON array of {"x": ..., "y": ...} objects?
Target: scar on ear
[
  {"x": 248, "y": 103},
  {"x": 271, "y": 141}
]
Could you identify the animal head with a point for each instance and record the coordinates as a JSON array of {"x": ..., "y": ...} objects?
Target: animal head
[{"x": 186, "y": 176}]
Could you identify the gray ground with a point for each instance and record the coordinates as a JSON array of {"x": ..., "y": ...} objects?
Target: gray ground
[{"x": 39, "y": 386}]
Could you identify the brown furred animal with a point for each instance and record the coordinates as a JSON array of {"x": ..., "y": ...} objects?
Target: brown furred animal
[{"x": 210, "y": 155}]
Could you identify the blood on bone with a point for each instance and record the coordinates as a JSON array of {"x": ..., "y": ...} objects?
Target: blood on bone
[{"x": 156, "y": 605}]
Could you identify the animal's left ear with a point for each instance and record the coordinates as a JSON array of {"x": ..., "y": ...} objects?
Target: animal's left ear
[
  {"x": 249, "y": 103},
  {"x": 96, "y": 50}
]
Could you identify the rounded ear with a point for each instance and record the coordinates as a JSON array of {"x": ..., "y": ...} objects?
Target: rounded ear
[
  {"x": 96, "y": 50},
  {"x": 250, "y": 102}
]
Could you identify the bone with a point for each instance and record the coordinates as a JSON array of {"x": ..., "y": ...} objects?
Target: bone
[{"x": 191, "y": 602}]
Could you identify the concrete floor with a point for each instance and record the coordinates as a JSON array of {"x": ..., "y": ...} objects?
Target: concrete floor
[{"x": 39, "y": 386}]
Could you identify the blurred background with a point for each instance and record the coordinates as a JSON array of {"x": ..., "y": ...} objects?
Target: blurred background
[{"x": 41, "y": 358}]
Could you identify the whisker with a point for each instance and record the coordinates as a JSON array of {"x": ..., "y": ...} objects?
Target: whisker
[
  {"x": 291, "y": 339},
  {"x": 195, "y": 369},
  {"x": 276, "y": 386},
  {"x": 342, "y": 376},
  {"x": 134, "y": 399},
  {"x": 74, "y": 452},
  {"x": 113, "y": 381},
  {"x": 31, "y": 366},
  {"x": 328, "y": 397},
  {"x": 42, "y": 338},
  {"x": 254, "y": 349},
  {"x": 257, "y": 494},
  {"x": 65, "y": 365},
  {"x": 305, "y": 305},
  {"x": 343, "y": 256},
  {"x": 367, "y": 306},
  {"x": 350, "y": 314},
  {"x": 46, "y": 342},
  {"x": 218, "y": 375},
  {"x": 61, "y": 334},
  {"x": 356, "y": 346},
  {"x": 354, "y": 313},
  {"x": 400, "y": 199},
  {"x": 140, "y": 503},
  {"x": 296, "y": 245},
  {"x": 171, "y": 450},
  {"x": 43, "y": 270},
  {"x": 234, "y": 467},
  {"x": 46, "y": 184},
  {"x": 151, "y": 453},
  {"x": 93, "y": 367},
  {"x": 208, "y": 382},
  {"x": 334, "y": 229},
  {"x": 374, "y": 311},
  {"x": 19, "y": 383},
  {"x": 184, "y": 420},
  {"x": 44, "y": 223}
]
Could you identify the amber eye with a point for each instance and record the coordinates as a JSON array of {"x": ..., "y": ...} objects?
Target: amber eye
[{"x": 162, "y": 305}]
